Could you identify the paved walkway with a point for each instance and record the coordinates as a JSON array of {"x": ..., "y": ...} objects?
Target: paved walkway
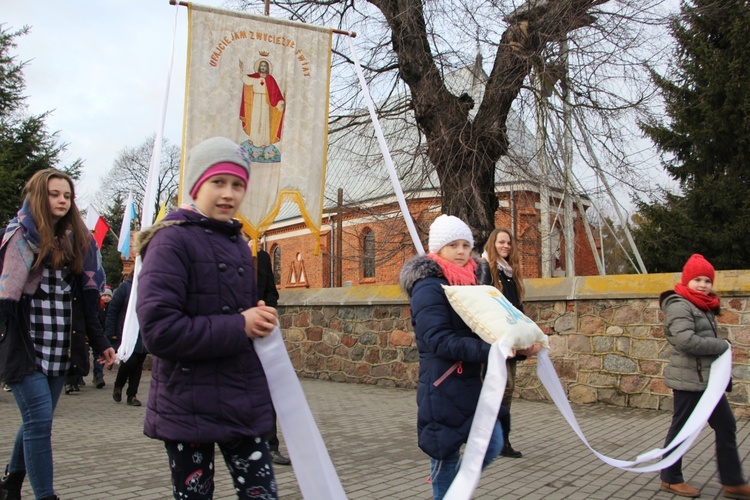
[{"x": 101, "y": 453}]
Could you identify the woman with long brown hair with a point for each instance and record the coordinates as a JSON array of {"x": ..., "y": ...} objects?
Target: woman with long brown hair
[
  {"x": 501, "y": 254},
  {"x": 50, "y": 282}
]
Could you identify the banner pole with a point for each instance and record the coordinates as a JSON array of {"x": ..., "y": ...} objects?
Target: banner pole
[{"x": 266, "y": 10}]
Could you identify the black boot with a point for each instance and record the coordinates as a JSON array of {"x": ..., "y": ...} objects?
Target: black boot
[
  {"x": 51, "y": 497},
  {"x": 508, "y": 451},
  {"x": 10, "y": 485}
]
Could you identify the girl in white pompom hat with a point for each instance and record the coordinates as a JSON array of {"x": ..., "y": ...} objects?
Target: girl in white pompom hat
[{"x": 451, "y": 357}]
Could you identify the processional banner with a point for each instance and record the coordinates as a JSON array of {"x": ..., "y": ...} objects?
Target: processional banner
[{"x": 264, "y": 83}]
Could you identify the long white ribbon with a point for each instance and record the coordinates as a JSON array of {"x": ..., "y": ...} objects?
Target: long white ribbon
[
  {"x": 466, "y": 480},
  {"x": 482, "y": 426},
  {"x": 386, "y": 154},
  {"x": 312, "y": 465},
  {"x": 721, "y": 370}
]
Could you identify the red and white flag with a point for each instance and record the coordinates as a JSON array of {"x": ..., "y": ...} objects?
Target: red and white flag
[{"x": 97, "y": 225}]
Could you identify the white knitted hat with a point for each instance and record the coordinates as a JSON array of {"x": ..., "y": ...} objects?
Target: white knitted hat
[{"x": 445, "y": 229}]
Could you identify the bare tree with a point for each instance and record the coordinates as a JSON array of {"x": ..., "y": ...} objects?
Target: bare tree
[
  {"x": 129, "y": 173},
  {"x": 412, "y": 45}
]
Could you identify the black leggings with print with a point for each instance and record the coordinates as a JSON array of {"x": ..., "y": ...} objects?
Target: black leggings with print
[{"x": 248, "y": 460}]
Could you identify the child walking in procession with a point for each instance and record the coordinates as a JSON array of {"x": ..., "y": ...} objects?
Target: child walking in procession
[
  {"x": 690, "y": 327},
  {"x": 199, "y": 313},
  {"x": 50, "y": 284},
  {"x": 452, "y": 358}
]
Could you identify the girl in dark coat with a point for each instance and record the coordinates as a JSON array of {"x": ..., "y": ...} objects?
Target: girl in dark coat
[
  {"x": 199, "y": 312},
  {"x": 50, "y": 285},
  {"x": 505, "y": 274},
  {"x": 452, "y": 358}
]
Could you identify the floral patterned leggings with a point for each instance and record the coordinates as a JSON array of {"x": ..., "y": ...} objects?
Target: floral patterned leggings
[{"x": 248, "y": 460}]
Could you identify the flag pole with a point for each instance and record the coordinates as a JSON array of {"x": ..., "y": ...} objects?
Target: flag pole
[{"x": 266, "y": 8}]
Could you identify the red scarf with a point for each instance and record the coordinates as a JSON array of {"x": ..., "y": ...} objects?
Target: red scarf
[
  {"x": 454, "y": 274},
  {"x": 700, "y": 300}
]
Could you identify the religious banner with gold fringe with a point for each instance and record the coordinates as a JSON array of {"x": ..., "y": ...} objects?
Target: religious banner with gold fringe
[{"x": 264, "y": 83}]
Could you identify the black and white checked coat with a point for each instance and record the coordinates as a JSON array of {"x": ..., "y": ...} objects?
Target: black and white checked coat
[{"x": 17, "y": 352}]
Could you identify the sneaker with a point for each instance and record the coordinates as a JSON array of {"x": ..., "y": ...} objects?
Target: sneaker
[
  {"x": 133, "y": 401},
  {"x": 280, "y": 459},
  {"x": 509, "y": 452},
  {"x": 76, "y": 388},
  {"x": 99, "y": 382},
  {"x": 117, "y": 394},
  {"x": 68, "y": 388},
  {"x": 6, "y": 387}
]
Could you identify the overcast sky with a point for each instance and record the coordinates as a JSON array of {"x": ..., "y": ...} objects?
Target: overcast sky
[{"x": 100, "y": 67}]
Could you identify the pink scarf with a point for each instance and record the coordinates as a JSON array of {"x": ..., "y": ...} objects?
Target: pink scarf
[{"x": 454, "y": 274}]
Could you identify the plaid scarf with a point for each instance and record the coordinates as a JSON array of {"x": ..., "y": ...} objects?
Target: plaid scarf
[{"x": 18, "y": 252}]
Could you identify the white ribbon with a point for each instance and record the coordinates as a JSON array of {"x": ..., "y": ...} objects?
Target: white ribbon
[
  {"x": 466, "y": 480},
  {"x": 386, "y": 154},
  {"x": 482, "y": 426},
  {"x": 312, "y": 465},
  {"x": 721, "y": 370}
]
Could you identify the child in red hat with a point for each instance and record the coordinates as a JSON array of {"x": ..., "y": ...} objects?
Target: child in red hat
[{"x": 690, "y": 326}]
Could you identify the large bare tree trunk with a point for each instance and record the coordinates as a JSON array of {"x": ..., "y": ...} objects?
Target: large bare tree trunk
[{"x": 464, "y": 150}]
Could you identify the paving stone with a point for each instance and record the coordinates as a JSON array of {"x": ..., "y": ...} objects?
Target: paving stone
[{"x": 100, "y": 450}]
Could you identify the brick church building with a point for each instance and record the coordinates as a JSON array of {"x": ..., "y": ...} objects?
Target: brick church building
[{"x": 364, "y": 239}]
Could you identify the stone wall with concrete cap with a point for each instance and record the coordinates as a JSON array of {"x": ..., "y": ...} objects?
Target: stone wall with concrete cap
[{"x": 606, "y": 336}]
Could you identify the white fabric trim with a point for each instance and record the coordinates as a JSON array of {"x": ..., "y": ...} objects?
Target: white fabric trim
[
  {"x": 721, "y": 370},
  {"x": 386, "y": 154},
  {"x": 494, "y": 385},
  {"x": 483, "y": 424},
  {"x": 312, "y": 465}
]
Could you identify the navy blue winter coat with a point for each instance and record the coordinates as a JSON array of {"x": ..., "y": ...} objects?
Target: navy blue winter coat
[
  {"x": 207, "y": 383},
  {"x": 451, "y": 361}
]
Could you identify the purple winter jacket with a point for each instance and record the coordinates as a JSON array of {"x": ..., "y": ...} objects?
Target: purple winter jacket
[{"x": 207, "y": 383}]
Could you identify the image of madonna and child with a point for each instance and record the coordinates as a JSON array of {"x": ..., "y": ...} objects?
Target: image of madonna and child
[
  {"x": 690, "y": 327},
  {"x": 199, "y": 314},
  {"x": 50, "y": 286},
  {"x": 446, "y": 404}
]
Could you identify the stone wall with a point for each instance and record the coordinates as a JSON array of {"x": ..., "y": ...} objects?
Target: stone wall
[{"x": 606, "y": 336}]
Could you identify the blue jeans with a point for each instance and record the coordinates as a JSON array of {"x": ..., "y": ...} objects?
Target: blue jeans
[
  {"x": 443, "y": 472},
  {"x": 97, "y": 368},
  {"x": 36, "y": 396}
]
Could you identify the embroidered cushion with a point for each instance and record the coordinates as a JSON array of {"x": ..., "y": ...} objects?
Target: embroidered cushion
[{"x": 489, "y": 314}]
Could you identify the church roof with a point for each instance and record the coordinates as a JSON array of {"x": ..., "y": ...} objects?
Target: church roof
[{"x": 356, "y": 165}]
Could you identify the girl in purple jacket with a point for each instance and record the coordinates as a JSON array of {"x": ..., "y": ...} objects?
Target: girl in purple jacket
[{"x": 199, "y": 312}]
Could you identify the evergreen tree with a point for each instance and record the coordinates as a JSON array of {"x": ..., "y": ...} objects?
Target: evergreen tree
[
  {"x": 706, "y": 144},
  {"x": 25, "y": 144}
]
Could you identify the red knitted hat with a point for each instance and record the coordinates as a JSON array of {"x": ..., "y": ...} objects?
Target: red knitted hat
[{"x": 696, "y": 266}]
